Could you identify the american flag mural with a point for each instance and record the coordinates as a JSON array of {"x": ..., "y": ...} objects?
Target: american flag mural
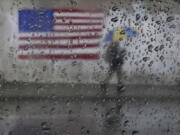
[{"x": 60, "y": 34}]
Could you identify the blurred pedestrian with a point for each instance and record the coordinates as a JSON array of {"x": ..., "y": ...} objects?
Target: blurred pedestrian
[{"x": 115, "y": 58}]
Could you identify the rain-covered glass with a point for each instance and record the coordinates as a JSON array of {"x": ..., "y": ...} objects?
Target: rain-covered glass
[{"x": 89, "y": 67}]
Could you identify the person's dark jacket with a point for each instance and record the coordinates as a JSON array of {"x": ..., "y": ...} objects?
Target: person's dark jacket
[{"x": 115, "y": 54}]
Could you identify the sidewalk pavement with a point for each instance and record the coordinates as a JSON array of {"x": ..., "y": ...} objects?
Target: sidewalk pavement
[{"x": 84, "y": 91}]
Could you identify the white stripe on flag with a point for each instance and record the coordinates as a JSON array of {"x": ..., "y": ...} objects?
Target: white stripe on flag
[
  {"x": 63, "y": 42},
  {"x": 78, "y": 21},
  {"x": 59, "y": 51},
  {"x": 56, "y": 27},
  {"x": 56, "y": 14},
  {"x": 51, "y": 34}
]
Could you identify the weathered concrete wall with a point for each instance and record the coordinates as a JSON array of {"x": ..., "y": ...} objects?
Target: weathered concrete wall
[{"x": 153, "y": 56}]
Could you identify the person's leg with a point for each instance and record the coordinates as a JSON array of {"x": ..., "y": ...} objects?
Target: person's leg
[
  {"x": 120, "y": 101},
  {"x": 109, "y": 74},
  {"x": 120, "y": 86},
  {"x": 105, "y": 82}
]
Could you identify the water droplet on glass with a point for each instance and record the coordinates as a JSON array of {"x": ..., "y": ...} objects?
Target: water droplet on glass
[
  {"x": 114, "y": 19},
  {"x": 161, "y": 58},
  {"x": 170, "y": 18},
  {"x": 18, "y": 108},
  {"x": 145, "y": 59},
  {"x": 145, "y": 18},
  {"x": 150, "y": 47},
  {"x": 158, "y": 22},
  {"x": 137, "y": 17},
  {"x": 114, "y": 8},
  {"x": 135, "y": 132}
]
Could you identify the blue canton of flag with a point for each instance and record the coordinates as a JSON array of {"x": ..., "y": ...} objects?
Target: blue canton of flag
[{"x": 35, "y": 20}]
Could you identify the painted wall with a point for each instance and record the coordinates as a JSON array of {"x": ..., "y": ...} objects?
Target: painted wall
[{"x": 152, "y": 58}]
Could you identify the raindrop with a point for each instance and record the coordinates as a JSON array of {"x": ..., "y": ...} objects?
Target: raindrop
[
  {"x": 168, "y": 39},
  {"x": 145, "y": 59},
  {"x": 138, "y": 17},
  {"x": 152, "y": 19},
  {"x": 95, "y": 109},
  {"x": 172, "y": 26},
  {"x": 123, "y": 132},
  {"x": 82, "y": 128},
  {"x": 44, "y": 126},
  {"x": 44, "y": 68},
  {"x": 178, "y": 122},
  {"x": 158, "y": 79},
  {"x": 18, "y": 108},
  {"x": 52, "y": 110},
  {"x": 156, "y": 48},
  {"x": 158, "y": 22},
  {"x": 114, "y": 8},
  {"x": 161, "y": 58},
  {"x": 168, "y": 130},
  {"x": 70, "y": 112},
  {"x": 10, "y": 133},
  {"x": 13, "y": 65},
  {"x": 135, "y": 132},
  {"x": 170, "y": 18},
  {"x": 73, "y": 2},
  {"x": 102, "y": 67},
  {"x": 88, "y": 131},
  {"x": 150, "y": 47},
  {"x": 74, "y": 63},
  {"x": 145, "y": 18},
  {"x": 161, "y": 47},
  {"x": 126, "y": 123},
  {"x": 164, "y": 35},
  {"x": 114, "y": 19},
  {"x": 178, "y": 1}
]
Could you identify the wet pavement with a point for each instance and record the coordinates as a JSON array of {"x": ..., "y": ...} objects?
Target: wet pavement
[{"x": 51, "y": 109}]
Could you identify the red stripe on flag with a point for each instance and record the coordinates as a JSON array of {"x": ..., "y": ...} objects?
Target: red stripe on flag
[
  {"x": 60, "y": 38},
  {"x": 78, "y": 17},
  {"x": 69, "y": 24},
  {"x": 60, "y": 56},
  {"x": 79, "y": 30},
  {"x": 78, "y": 10},
  {"x": 58, "y": 46}
]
